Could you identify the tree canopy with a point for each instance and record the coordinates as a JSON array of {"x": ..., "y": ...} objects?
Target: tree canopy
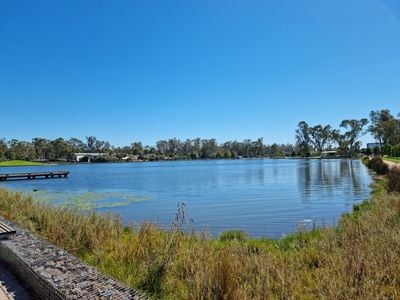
[{"x": 310, "y": 140}]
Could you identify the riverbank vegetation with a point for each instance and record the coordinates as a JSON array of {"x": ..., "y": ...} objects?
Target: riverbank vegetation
[
  {"x": 376, "y": 164},
  {"x": 310, "y": 141},
  {"x": 357, "y": 259}
]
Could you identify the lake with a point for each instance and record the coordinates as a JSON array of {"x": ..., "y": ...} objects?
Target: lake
[{"x": 265, "y": 197}]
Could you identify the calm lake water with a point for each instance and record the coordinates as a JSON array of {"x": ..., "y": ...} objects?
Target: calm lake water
[{"x": 264, "y": 197}]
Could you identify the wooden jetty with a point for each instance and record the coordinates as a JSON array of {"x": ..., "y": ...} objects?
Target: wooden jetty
[
  {"x": 5, "y": 231},
  {"x": 36, "y": 175}
]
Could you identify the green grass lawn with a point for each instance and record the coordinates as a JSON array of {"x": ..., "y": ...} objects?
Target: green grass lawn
[
  {"x": 392, "y": 159},
  {"x": 19, "y": 163}
]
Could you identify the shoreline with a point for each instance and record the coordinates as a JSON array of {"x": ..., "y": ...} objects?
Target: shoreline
[{"x": 34, "y": 164}]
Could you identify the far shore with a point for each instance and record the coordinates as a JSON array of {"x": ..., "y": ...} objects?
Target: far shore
[{"x": 23, "y": 163}]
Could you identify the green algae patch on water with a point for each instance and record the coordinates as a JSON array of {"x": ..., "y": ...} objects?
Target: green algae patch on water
[{"x": 86, "y": 200}]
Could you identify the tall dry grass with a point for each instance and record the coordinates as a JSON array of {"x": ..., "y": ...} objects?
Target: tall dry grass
[
  {"x": 393, "y": 179},
  {"x": 357, "y": 260}
]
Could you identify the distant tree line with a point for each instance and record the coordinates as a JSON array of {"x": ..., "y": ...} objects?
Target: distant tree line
[
  {"x": 41, "y": 149},
  {"x": 383, "y": 126},
  {"x": 310, "y": 141}
]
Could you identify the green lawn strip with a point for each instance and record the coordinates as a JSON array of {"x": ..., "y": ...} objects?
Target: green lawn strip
[
  {"x": 20, "y": 163},
  {"x": 392, "y": 159}
]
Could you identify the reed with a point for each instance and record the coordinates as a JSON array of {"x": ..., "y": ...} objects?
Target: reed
[{"x": 356, "y": 260}]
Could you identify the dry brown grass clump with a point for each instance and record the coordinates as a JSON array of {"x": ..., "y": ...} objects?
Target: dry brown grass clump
[
  {"x": 378, "y": 165},
  {"x": 357, "y": 260},
  {"x": 394, "y": 179}
]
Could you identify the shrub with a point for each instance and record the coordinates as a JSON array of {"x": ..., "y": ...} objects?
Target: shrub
[
  {"x": 233, "y": 235},
  {"x": 387, "y": 150},
  {"x": 227, "y": 154},
  {"x": 102, "y": 159},
  {"x": 194, "y": 155},
  {"x": 395, "y": 151},
  {"x": 376, "y": 150},
  {"x": 365, "y": 160},
  {"x": 378, "y": 165},
  {"x": 394, "y": 179}
]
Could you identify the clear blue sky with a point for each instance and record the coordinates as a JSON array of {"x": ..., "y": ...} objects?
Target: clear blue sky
[{"x": 149, "y": 70}]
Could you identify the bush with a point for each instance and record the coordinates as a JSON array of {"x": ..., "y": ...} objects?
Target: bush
[
  {"x": 378, "y": 165},
  {"x": 194, "y": 155},
  {"x": 394, "y": 179},
  {"x": 101, "y": 159},
  {"x": 233, "y": 235},
  {"x": 376, "y": 151},
  {"x": 220, "y": 155},
  {"x": 387, "y": 150},
  {"x": 395, "y": 151}
]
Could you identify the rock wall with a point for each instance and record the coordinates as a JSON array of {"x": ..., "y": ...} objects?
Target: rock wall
[{"x": 52, "y": 273}]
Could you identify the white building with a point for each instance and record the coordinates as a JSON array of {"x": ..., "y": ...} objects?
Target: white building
[{"x": 78, "y": 156}]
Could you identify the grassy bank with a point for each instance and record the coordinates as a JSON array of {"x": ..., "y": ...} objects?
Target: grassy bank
[
  {"x": 358, "y": 259},
  {"x": 19, "y": 163},
  {"x": 392, "y": 159}
]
